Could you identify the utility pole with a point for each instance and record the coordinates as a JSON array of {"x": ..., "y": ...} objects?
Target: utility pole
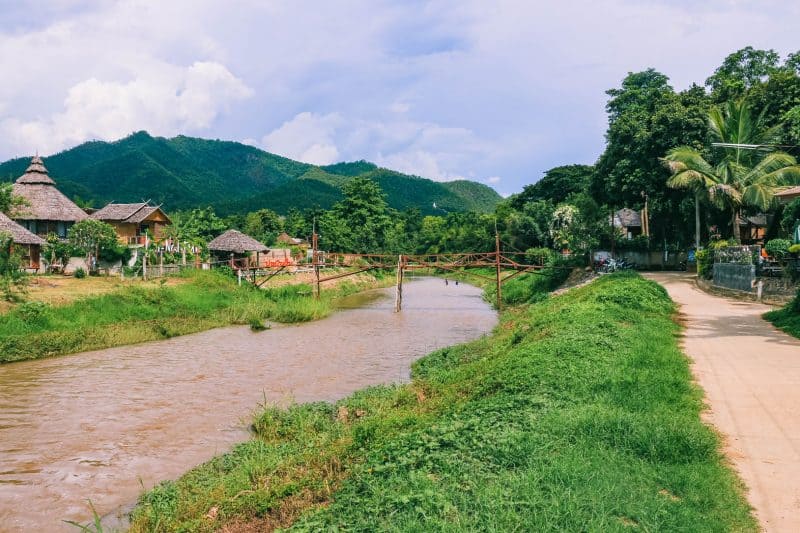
[{"x": 497, "y": 265}]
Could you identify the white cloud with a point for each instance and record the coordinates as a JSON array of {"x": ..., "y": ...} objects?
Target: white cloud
[
  {"x": 307, "y": 137},
  {"x": 441, "y": 89},
  {"x": 493, "y": 179},
  {"x": 178, "y": 100}
]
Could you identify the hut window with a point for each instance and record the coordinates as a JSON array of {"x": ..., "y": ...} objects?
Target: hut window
[{"x": 61, "y": 229}]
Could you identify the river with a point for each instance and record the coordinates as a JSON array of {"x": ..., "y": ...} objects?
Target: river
[{"x": 101, "y": 425}]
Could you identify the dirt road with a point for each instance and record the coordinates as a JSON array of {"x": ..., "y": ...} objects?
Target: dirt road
[{"x": 750, "y": 373}]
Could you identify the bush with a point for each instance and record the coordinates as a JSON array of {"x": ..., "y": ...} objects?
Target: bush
[
  {"x": 80, "y": 273},
  {"x": 778, "y": 248},
  {"x": 539, "y": 256},
  {"x": 794, "y": 249},
  {"x": 705, "y": 263}
]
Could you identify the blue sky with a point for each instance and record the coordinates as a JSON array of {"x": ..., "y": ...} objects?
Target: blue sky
[{"x": 497, "y": 92}]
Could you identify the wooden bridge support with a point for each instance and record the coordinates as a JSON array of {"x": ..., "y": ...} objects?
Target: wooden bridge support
[{"x": 398, "y": 300}]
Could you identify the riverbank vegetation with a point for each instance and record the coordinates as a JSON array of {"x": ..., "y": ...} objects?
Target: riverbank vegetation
[
  {"x": 149, "y": 311},
  {"x": 578, "y": 413},
  {"x": 788, "y": 317}
]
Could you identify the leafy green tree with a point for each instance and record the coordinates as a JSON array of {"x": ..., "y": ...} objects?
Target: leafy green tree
[
  {"x": 92, "y": 237},
  {"x": 790, "y": 217},
  {"x": 556, "y": 185},
  {"x": 741, "y": 71},
  {"x": 197, "y": 226},
  {"x": 263, "y": 225},
  {"x": 12, "y": 276},
  {"x": 360, "y": 221},
  {"x": 740, "y": 177},
  {"x": 646, "y": 119},
  {"x": 8, "y": 200}
]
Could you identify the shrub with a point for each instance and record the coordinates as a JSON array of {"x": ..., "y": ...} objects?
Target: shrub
[
  {"x": 539, "y": 256},
  {"x": 80, "y": 273},
  {"x": 794, "y": 249},
  {"x": 705, "y": 263},
  {"x": 778, "y": 248}
]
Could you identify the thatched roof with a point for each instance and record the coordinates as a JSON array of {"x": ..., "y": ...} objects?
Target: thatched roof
[
  {"x": 45, "y": 201},
  {"x": 236, "y": 242},
  {"x": 130, "y": 213},
  {"x": 627, "y": 218},
  {"x": 36, "y": 173},
  {"x": 19, "y": 235}
]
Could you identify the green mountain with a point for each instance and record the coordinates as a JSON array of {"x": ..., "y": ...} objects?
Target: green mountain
[{"x": 185, "y": 172}]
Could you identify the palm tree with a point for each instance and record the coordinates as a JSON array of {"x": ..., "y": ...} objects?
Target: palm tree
[{"x": 742, "y": 176}]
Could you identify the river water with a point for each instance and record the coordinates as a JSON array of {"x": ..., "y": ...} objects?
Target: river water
[{"x": 101, "y": 425}]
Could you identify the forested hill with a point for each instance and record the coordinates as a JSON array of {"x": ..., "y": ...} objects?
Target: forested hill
[{"x": 185, "y": 172}]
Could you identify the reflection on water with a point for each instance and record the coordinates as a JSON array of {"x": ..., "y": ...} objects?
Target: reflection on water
[{"x": 100, "y": 424}]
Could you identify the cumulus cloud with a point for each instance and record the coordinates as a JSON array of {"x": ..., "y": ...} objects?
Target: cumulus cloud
[
  {"x": 307, "y": 137},
  {"x": 442, "y": 89},
  {"x": 176, "y": 101}
]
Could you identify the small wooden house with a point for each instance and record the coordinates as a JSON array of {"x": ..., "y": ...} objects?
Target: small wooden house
[
  {"x": 788, "y": 194},
  {"x": 134, "y": 223},
  {"x": 240, "y": 250},
  {"x": 24, "y": 240},
  {"x": 285, "y": 238},
  {"x": 629, "y": 222},
  {"x": 47, "y": 210}
]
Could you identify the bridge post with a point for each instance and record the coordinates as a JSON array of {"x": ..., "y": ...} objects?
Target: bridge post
[
  {"x": 315, "y": 261},
  {"x": 497, "y": 266},
  {"x": 398, "y": 300}
]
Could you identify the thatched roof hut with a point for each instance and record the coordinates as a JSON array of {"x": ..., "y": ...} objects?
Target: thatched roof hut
[
  {"x": 236, "y": 242},
  {"x": 19, "y": 235},
  {"x": 45, "y": 202}
]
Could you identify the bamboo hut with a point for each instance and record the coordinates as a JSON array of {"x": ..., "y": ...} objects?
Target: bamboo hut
[
  {"x": 47, "y": 209},
  {"x": 237, "y": 248},
  {"x": 134, "y": 223},
  {"x": 24, "y": 240}
]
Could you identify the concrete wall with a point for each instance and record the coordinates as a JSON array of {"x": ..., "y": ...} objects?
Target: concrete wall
[{"x": 734, "y": 276}]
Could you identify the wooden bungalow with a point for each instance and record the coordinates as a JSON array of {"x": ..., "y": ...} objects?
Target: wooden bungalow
[
  {"x": 753, "y": 229},
  {"x": 237, "y": 248},
  {"x": 24, "y": 240},
  {"x": 134, "y": 223},
  {"x": 285, "y": 238},
  {"x": 47, "y": 210},
  {"x": 786, "y": 195}
]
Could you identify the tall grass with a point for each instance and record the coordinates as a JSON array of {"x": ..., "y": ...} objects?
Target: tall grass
[
  {"x": 577, "y": 414},
  {"x": 136, "y": 314},
  {"x": 788, "y": 317}
]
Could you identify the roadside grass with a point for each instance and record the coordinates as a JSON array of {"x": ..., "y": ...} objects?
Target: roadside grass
[
  {"x": 577, "y": 414},
  {"x": 137, "y": 313},
  {"x": 787, "y": 318}
]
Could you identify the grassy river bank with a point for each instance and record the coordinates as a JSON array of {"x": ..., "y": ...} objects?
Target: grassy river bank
[
  {"x": 143, "y": 312},
  {"x": 578, "y": 413},
  {"x": 787, "y": 318}
]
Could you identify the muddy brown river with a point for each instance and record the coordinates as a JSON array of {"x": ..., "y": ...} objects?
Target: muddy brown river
[{"x": 101, "y": 425}]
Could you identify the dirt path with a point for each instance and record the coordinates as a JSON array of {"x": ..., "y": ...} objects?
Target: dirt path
[{"x": 750, "y": 373}]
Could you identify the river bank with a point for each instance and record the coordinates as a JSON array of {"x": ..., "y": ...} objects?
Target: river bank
[
  {"x": 133, "y": 313},
  {"x": 578, "y": 413}
]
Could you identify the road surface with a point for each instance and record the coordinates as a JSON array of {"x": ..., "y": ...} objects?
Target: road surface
[{"x": 750, "y": 373}]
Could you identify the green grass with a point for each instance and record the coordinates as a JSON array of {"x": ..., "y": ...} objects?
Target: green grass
[
  {"x": 136, "y": 314},
  {"x": 577, "y": 414},
  {"x": 787, "y": 318}
]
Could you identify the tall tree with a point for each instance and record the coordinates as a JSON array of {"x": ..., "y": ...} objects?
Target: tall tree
[
  {"x": 646, "y": 119},
  {"x": 360, "y": 221},
  {"x": 741, "y": 71}
]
